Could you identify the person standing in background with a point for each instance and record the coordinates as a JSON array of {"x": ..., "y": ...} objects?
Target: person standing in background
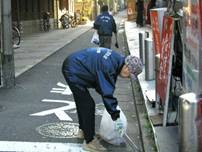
[
  {"x": 111, "y": 11},
  {"x": 140, "y": 13},
  {"x": 105, "y": 26},
  {"x": 152, "y": 4}
]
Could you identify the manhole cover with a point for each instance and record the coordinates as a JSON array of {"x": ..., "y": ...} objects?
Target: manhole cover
[
  {"x": 59, "y": 130},
  {"x": 2, "y": 108}
]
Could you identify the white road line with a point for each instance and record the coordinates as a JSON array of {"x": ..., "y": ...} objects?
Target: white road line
[
  {"x": 59, "y": 112},
  {"x": 65, "y": 90},
  {"x": 61, "y": 85},
  {"x": 58, "y": 89},
  {"x": 17, "y": 146}
]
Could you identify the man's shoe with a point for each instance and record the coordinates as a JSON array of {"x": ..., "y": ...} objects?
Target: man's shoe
[
  {"x": 80, "y": 134},
  {"x": 94, "y": 146}
]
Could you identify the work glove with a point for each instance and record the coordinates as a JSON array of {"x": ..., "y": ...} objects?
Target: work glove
[{"x": 119, "y": 126}]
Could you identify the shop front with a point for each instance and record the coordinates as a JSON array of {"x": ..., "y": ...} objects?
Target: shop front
[
  {"x": 179, "y": 79},
  {"x": 191, "y": 113},
  {"x": 131, "y": 12},
  {"x": 192, "y": 46},
  {"x": 85, "y": 8},
  {"x": 0, "y": 69},
  {"x": 0, "y": 49}
]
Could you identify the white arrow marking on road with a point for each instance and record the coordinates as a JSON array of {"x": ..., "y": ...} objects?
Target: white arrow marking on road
[
  {"x": 17, "y": 146},
  {"x": 59, "y": 112},
  {"x": 61, "y": 84},
  {"x": 64, "y": 91}
]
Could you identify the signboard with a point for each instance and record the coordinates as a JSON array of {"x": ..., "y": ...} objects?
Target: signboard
[
  {"x": 192, "y": 53},
  {"x": 165, "y": 63},
  {"x": 155, "y": 31},
  {"x": 156, "y": 16},
  {"x": 165, "y": 58}
]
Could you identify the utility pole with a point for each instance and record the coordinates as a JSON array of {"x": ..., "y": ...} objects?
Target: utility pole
[
  {"x": 8, "y": 70},
  {"x": 108, "y": 3},
  {"x": 95, "y": 9}
]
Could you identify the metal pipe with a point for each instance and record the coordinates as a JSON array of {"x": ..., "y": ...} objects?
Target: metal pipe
[
  {"x": 8, "y": 69},
  {"x": 146, "y": 34},
  {"x": 141, "y": 46},
  {"x": 149, "y": 60},
  {"x": 189, "y": 123},
  {"x": 131, "y": 143},
  {"x": 157, "y": 61}
]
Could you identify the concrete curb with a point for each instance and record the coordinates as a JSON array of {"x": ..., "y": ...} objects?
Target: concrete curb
[{"x": 146, "y": 129}]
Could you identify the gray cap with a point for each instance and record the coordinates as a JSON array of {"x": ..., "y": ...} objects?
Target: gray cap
[{"x": 134, "y": 64}]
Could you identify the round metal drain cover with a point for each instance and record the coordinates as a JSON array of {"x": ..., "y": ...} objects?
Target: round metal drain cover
[
  {"x": 2, "y": 108},
  {"x": 59, "y": 130}
]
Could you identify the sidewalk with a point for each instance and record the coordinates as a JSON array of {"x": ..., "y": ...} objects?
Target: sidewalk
[
  {"x": 166, "y": 138},
  {"x": 38, "y": 46}
]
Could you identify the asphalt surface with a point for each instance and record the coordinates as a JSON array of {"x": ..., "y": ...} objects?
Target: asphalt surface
[{"x": 26, "y": 114}]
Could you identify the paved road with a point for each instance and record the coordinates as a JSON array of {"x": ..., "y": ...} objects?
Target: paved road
[{"x": 39, "y": 110}]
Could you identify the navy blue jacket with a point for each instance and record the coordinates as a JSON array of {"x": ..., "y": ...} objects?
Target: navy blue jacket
[
  {"x": 96, "y": 68},
  {"x": 105, "y": 24}
]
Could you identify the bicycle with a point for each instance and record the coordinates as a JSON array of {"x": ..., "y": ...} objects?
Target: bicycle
[
  {"x": 73, "y": 22},
  {"x": 65, "y": 21},
  {"x": 46, "y": 21},
  {"x": 16, "y": 36}
]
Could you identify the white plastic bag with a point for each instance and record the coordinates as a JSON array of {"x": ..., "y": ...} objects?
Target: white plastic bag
[
  {"x": 95, "y": 39},
  {"x": 107, "y": 128}
]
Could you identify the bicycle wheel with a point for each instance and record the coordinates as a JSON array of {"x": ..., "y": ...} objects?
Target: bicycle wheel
[
  {"x": 15, "y": 36},
  {"x": 46, "y": 25},
  {"x": 73, "y": 24}
]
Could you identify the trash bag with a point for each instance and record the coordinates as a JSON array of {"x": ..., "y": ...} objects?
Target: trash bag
[
  {"x": 95, "y": 39},
  {"x": 107, "y": 128}
]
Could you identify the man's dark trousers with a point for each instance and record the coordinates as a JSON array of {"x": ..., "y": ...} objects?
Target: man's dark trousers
[
  {"x": 85, "y": 107},
  {"x": 105, "y": 41}
]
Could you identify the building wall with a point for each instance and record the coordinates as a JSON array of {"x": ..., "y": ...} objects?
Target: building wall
[
  {"x": 0, "y": 50},
  {"x": 30, "y": 9},
  {"x": 28, "y": 14},
  {"x": 85, "y": 8},
  {"x": 71, "y": 6}
]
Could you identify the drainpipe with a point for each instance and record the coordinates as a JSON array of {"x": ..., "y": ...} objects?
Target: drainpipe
[{"x": 56, "y": 14}]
